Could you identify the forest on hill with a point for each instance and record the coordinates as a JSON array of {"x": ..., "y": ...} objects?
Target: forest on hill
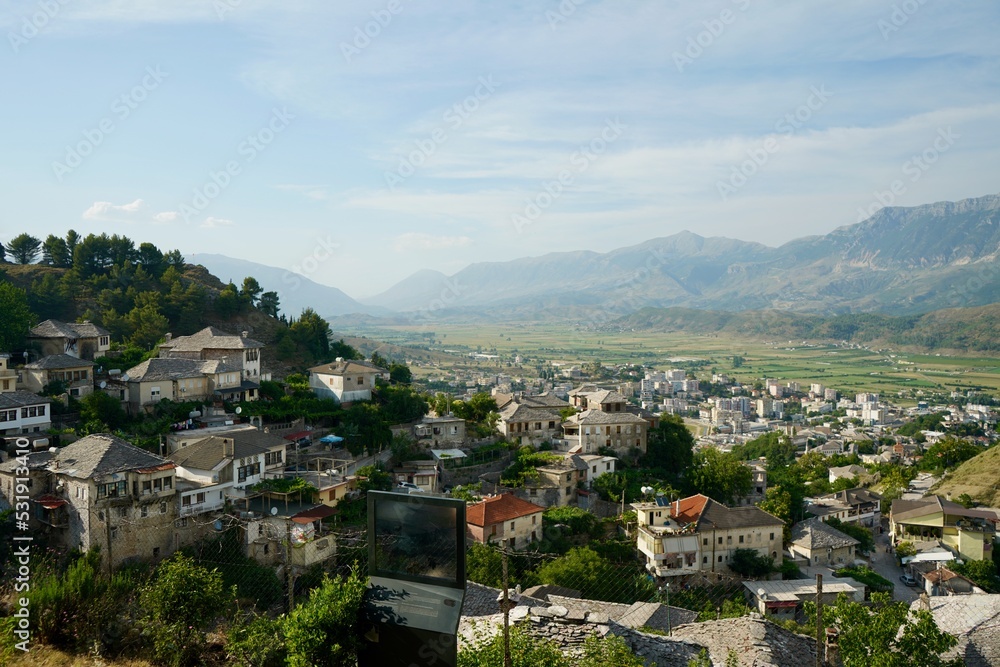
[{"x": 139, "y": 293}]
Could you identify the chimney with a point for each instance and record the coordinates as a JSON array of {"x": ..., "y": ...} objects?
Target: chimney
[
  {"x": 340, "y": 359},
  {"x": 244, "y": 334},
  {"x": 677, "y": 507},
  {"x": 168, "y": 337},
  {"x": 227, "y": 447}
]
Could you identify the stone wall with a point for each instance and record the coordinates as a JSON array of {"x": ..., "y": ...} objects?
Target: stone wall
[{"x": 472, "y": 474}]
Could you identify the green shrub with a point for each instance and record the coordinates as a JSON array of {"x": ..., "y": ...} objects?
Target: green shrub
[
  {"x": 526, "y": 651},
  {"x": 181, "y": 602},
  {"x": 322, "y": 631},
  {"x": 256, "y": 642}
]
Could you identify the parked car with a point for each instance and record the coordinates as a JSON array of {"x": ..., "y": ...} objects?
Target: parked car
[
  {"x": 908, "y": 580},
  {"x": 409, "y": 487}
]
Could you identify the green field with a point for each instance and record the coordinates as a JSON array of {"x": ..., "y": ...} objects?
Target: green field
[{"x": 846, "y": 369}]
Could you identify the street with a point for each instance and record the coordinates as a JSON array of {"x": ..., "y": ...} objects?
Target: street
[{"x": 885, "y": 565}]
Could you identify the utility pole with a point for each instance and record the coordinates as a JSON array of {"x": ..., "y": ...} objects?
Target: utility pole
[
  {"x": 506, "y": 610},
  {"x": 289, "y": 579},
  {"x": 819, "y": 620}
]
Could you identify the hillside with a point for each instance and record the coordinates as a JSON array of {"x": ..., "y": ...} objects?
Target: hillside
[
  {"x": 979, "y": 477},
  {"x": 295, "y": 291},
  {"x": 900, "y": 261},
  {"x": 971, "y": 329}
]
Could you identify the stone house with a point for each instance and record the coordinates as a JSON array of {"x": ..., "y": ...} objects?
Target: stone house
[
  {"x": 695, "y": 535},
  {"x": 593, "y": 429},
  {"x": 531, "y": 419},
  {"x": 180, "y": 380},
  {"x": 103, "y": 492},
  {"x": 76, "y": 374},
  {"x": 821, "y": 544},
  {"x": 214, "y": 344},
  {"x": 77, "y": 339},
  {"x": 506, "y": 520},
  {"x": 8, "y": 375},
  {"x": 858, "y": 505},
  {"x": 447, "y": 431},
  {"x": 346, "y": 381},
  {"x": 424, "y": 474}
]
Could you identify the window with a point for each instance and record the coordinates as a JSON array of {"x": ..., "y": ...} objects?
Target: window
[
  {"x": 512, "y": 525},
  {"x": 720, "y": 540},
  {"x": 704, "y": 560},
  {"x": 272, "y": 458},
  {"x": 361, "y": 380},
  {"x": 200, "y": 498},
  {"x": 772, "y": 536},
  {"x": 534, "y": 519},
  {"x": 168, "y": 482},
  {"x": 704, "y": 542},
  {"x": 156, "y": 552},
  {"x": 163, "y": 508},
  {"x": 185, "y": 501},
  {"x": 147, "y": 487},
  {"x": 720, "y": 559},
  {"x": 122, "y": 512},
  {"x": 569, "y": 490},
  {"x": 114, "y": 532},
  {"x": 144, "y": 511},
  {"x": 157, "y": 485},
  {"x": 112, "y": 490},
  {"x": 552, "y": 424},
  {"x": 741, "y": 539},
  {"x": 494, "y": 529}
]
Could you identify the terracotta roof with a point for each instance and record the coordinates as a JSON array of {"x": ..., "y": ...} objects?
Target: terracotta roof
[
  {"x": 688, "y": 510},
  {"x": 498, "y": 509},
  {"x": 314, "y": 514}
]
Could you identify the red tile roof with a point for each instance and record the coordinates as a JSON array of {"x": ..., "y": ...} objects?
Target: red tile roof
[
  {"x": 688, "y": 510},
  {"x": 498, "y": 509}
]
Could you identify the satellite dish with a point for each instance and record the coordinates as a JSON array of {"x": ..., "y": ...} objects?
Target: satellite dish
[
  {"x": 239, "y": 410},
  {"x": 103, "y": 384},
  {"x": 274, "y": 511},
  {"x": 124, "y": 377}
]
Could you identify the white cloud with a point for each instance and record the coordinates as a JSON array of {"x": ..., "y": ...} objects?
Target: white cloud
[
  {"x": 421, "y": 241},
  {"x": 211, "y": 222},
  {"x": 105, "y": 210},
  {"x": 165, "y": 216}
]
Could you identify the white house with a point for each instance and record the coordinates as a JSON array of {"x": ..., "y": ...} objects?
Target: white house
[
  {"x": 345, "y": 381},
  {"x": 23, "y": 412}
]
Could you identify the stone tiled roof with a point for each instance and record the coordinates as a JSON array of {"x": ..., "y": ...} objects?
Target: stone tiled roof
[
  {"x": 103, "y": 454},
  {"x": 36, "y": 461},
  {"x": 974, "y": 620},
  {"x": 722, "y": 517},
  {"x": 591, "y": 417},
  {"x": 815, "y": 534},
  {"x": 498, "y": 509},
  {"x": 753, "y": 640},
  {"x": 516, "y": 412},
  {"x": 166, "y": 368},
  {"x": 348, "y": 367},
  {"x": 209, "y": 338},
  {"x": 57, "y": 329},
  {"x": 20, "y": 399},
  {"x": 208, "y": 453},
  {"x": 56, "y": 361}
]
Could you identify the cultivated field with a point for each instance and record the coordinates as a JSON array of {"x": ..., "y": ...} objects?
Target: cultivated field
[{"x": 845, "y": 368}]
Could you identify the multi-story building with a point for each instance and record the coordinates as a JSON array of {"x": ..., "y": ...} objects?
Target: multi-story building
[
  {"x": 77, "y": 339},
  {"x": 8, "y": 375},
  {"x": 696, "y": 535},
  {"x": 506, "y": 520},
  {"x": 75, "y": 374},
  {"x": 210, "y": 343},
  {"x": 820, "y": 544},
  {"x": 103, "y": 492},
  {"x": 969, "y": 533},
  {"x": 346, "y": 381},
  {"x": 856, "y": 505},
  {"x": 179, "y": 380},
  {"x": 23, "y": 412}
]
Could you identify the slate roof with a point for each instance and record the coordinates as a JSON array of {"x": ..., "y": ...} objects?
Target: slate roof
[
  {"x": 856, "y": 496},
  {"x": 20, "y": 399},
  {"x": 516, "y": 412},
  {"x": 208, "y": 453},
  {"x": 36, "y": 461},
  {"x": 974, "y": 619},
  {"x": 55, "y": 361},
  {"x": 722, "y": 517},
  {"x": 754, "y": 640},
  {"x": 591, "y": 417},
  {"x": 347, "y": 367},
  {"x": 57, "y": 329},
  {"x": 209, "y": 338},
  {"x": 656, "y": 615},
  {"x": 498, "y": 509},
  {"x": 852, "y": 470},
  {"x": 167, "y": 368},
  {"x": 815, "y": 534},
  {"x": 102, "y": 454}
]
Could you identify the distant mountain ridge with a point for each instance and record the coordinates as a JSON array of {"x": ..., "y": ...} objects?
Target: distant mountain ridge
[
  {"x": 899, "y": 261},
  {"x": 295, "y": 291}
]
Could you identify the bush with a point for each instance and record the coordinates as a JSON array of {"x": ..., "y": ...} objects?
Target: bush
[
  {"x": 322, "y": 631},
  {"x": 526, "y": 651},
  {"x": 257, "y": 642},
  {"x": 183, "y": 600},
  {"x": 867, "y": 576}
]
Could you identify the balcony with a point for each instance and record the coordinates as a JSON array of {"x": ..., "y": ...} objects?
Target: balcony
[{"x": 200, "y": 508}]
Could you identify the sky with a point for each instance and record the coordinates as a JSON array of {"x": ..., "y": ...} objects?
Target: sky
[{"x": 358, "y": 142}]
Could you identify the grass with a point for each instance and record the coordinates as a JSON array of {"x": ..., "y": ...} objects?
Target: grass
[
  {"x": 977, "y": 477},
  {"x": 44, "y": 656}
]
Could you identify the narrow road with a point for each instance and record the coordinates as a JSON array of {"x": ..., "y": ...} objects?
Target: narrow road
[{"x": 885, "y": 565}]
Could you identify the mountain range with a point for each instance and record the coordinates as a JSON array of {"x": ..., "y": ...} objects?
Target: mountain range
[{"x": 900, "y": 261}]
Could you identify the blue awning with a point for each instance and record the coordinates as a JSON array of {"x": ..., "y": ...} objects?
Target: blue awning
[{"x": 331, "y": 439}]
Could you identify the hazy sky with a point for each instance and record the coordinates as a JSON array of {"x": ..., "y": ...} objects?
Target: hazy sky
[{"x": 357, "y": 142}]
